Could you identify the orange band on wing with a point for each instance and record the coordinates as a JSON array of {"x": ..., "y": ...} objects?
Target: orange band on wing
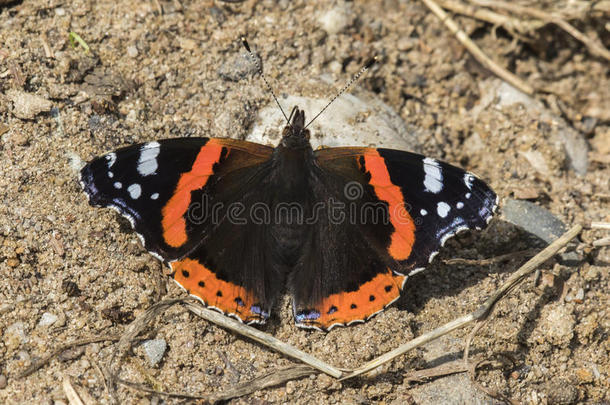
[
  {"x": 372, "y": 297},
  {"x": 225, "y": 296},
  {"x": 173, "y": 221},
  {"x": 403, "y": 237}
]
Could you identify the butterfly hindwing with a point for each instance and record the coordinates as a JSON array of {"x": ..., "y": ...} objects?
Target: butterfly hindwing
[{"x": 175, "y": 193}]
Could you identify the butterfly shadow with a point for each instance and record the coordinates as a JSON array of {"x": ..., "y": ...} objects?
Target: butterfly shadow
[
  {"x": 443, "y": 279},
  {"x": 480, "y": 249}
]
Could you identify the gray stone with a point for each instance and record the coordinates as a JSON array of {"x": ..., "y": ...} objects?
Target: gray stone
[
  {"x": 533, "y": 219},
  {"x": 352, "y": 120},
  {"x": 132, "y": 51},
  {"x": 336, "y": 19},
  {"x": 154, "y": 349},
  {"x": 26, "y": 105},
  {"x": 47, "y": 319},
  {"x": 6, "y": 307},
  {"x": 239, "y": 66},
  {"x": 15, "y": 335}
]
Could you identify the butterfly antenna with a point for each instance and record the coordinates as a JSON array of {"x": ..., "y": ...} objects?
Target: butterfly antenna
[
  {"x": 260, "y": 70},
  {"x": 353, "y": 80}
]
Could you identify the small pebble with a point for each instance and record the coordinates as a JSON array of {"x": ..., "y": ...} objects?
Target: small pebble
[
  {"x": 186, "y": 43},
  {"x": 3, "y": 382},
  {"x": 335, "y": 20},
  {"x": 4, "y": 308},
  {"x": 154, "y": 349},
  {"x": 15, "y": 335},
  {"x": 547, "y": 280},
  {"x": 24, "y": 358},
  {"x": 72, "y": 353},
  {"x": 537, "y": 161},
  {"x": 132, "y": 51},
  {"x": 577, "y": 296},
  {"x": 335, "y": 67},
  {"x": 576, "y": 148},
  {"x": 238, "y": 67},
  {"x": 132, "y": 116},
  {"x": 47, "y": 319},
  {"x": 12, "y": 262},
  {"x": 26, "y": 105},
  {"x": 526, "y": 193}
]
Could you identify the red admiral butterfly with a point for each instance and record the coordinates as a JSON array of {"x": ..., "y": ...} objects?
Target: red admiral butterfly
[{"x": 341, "y": 228}]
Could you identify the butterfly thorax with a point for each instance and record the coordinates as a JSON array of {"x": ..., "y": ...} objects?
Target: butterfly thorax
[{"x": 292, "y": 161}]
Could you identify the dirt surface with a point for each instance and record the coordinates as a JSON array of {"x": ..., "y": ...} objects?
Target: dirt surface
[{"x": 159, "y": 69}]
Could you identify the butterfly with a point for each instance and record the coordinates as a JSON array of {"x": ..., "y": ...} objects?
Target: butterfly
[{"x": 341, "y": 229}]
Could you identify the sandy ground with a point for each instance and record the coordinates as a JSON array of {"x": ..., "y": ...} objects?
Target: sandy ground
[{"x": 68, "y": 271}]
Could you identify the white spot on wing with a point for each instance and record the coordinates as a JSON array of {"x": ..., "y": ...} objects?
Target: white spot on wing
[
  {"x": 468, "y": 195},
  {"x": 147, "y": 163},
  {"x": 134, "y": 190},
  {"x": 442, "y": 209},
  {"x": 459, "y": 205},
  {"x": 423, "y": 212},
  {"x": 110, "y": 174},
  {"x": 111, "y": 158},
  {"x": 433, "y": 181},
  {"x": 468, "y": 178},
  {"x": 118, "y": 185},
  {"x": 154, "y": 196}
]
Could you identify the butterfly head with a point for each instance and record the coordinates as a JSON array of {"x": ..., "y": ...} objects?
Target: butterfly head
[{"x": 295, "y": 134}]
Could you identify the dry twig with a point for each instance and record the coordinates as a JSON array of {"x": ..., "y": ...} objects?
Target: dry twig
[
  {"x": 602, "y": 242},
  {"x": 513, "y": 25},
  {"x": 262, "y": 337},
  {"x": 472, "y": 372},
  {"x": 265, "y": 381},
  {"x": 40, "y": 363},
  {"x": 71, "y": 394},
  {"x": 600, "y": 225},
  {"x": 453, "y": 367},
  {"x": 48, "y": 53},
  {"x": 135, "y": 328},
  {"x": 483, "y": 262},
  {"x": 478, "y": 54},
  {"x": 594, "y": 46},
  {"x": 143, "y": 388}
]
